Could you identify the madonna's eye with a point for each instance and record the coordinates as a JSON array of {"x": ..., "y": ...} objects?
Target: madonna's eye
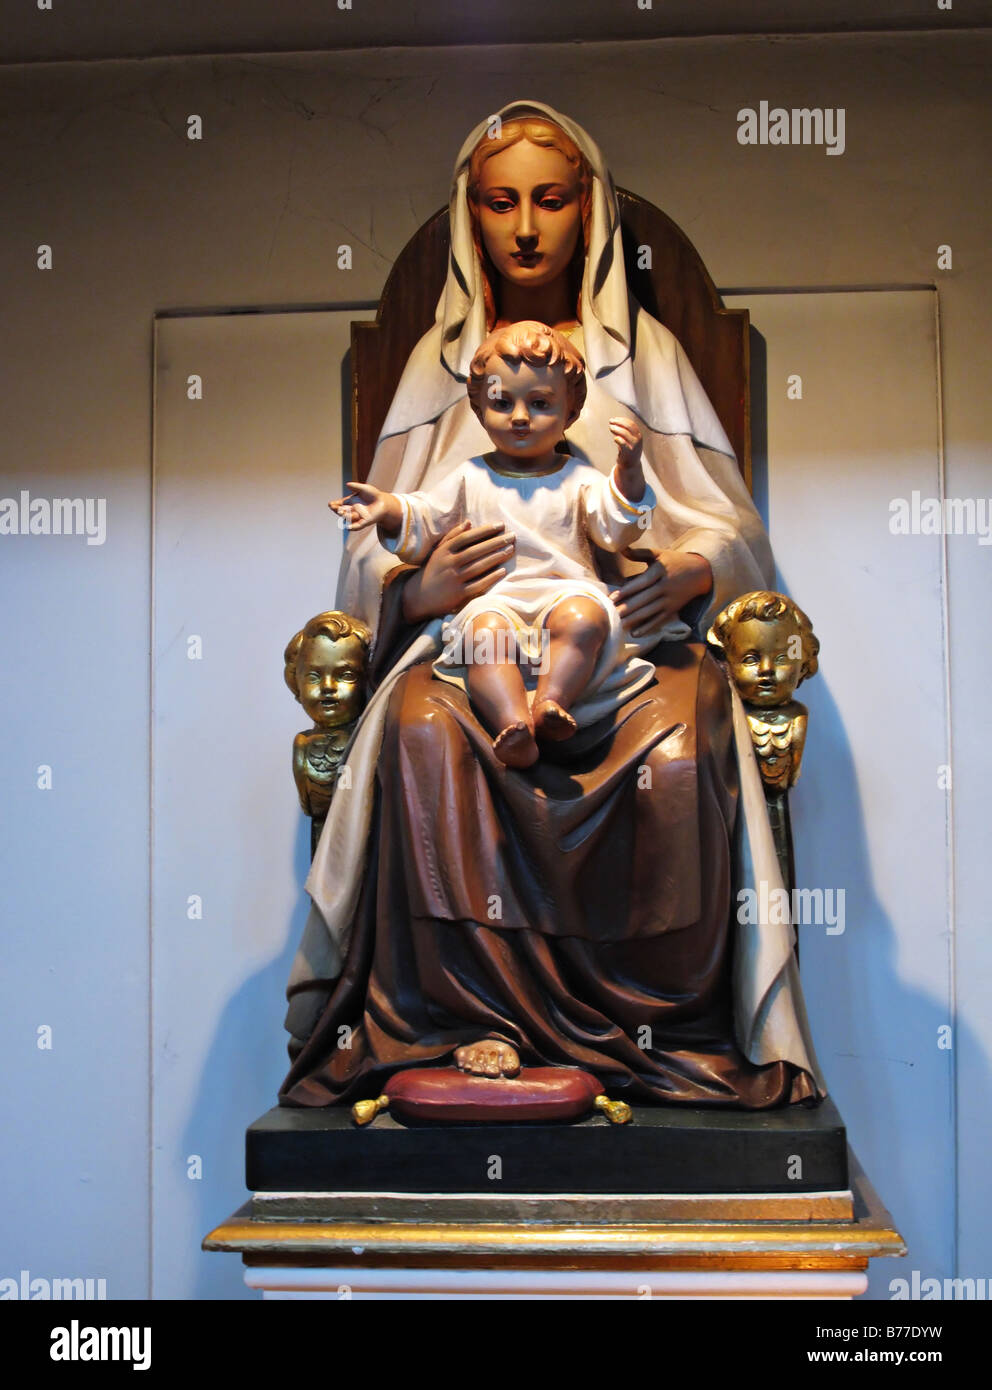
[
  {"x": 552, "y": 204},
  {"x": 499, "y": 204}
]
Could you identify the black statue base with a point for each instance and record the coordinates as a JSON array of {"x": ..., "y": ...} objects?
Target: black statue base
[{"x": 664, "y": 1150}]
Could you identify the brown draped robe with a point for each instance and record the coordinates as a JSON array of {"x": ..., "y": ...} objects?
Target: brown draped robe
[{"x": 581, "y": 910}]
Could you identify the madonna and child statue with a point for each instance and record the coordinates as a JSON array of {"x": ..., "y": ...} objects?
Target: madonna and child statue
[{"x": 553, "y": 714}]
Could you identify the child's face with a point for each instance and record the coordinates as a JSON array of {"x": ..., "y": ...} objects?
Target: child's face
[
  {"x": 525, "y": 410},
  {"x": 766, "y": 660},
  {"x": 331, "y": 679}
]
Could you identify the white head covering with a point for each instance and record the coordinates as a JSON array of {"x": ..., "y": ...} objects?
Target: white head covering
[{"x": 672, "y": 402}]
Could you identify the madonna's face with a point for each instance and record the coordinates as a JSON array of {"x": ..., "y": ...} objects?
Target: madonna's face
[{"x": 530, "y": 212}]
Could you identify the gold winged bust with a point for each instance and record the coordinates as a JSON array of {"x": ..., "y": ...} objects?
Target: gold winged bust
[
  {"x": 325, "y": 666},
  {"x": 770, "y": 649}
]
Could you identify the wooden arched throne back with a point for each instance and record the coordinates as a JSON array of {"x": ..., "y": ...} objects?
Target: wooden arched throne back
[{"x": 676, "y": 289}]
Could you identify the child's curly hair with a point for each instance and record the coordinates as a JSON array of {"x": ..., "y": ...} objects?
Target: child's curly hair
[
  {"x": 767, "y": 607},
  {"x": 334, "y": 625},
  {"x": 536, "y": 344}
]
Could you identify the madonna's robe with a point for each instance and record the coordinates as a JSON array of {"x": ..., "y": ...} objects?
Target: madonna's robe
[{"x": 619, "y": 962}]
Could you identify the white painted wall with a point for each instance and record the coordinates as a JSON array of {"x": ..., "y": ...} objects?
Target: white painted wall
[
  {"x": 299, "y": 155},
  {"x": 246, "y": 552},
  {"x": 870, "y": 812}
]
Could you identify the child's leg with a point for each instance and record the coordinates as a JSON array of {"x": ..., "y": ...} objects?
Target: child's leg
[
  {"x": 496, "y": 688},
  {"x": 577, "y": 629}
]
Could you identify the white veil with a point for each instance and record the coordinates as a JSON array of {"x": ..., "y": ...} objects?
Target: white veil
[{"x": 631, "y": 360}]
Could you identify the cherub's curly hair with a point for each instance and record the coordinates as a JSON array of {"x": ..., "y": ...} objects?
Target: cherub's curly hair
[
  {"x": 527, "y": 341},
  {"x": 767, "y": 607},
  {"x": 334, "y": 625}
]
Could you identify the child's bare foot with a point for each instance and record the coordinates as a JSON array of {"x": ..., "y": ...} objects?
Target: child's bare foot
[
  {"x": 515, "y": 746},
  {"x": 553, "y": 722},
  {"x": 489, "y": 1058}
]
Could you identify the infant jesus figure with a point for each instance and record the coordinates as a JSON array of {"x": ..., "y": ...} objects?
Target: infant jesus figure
[{"x": 542, "y": 651}]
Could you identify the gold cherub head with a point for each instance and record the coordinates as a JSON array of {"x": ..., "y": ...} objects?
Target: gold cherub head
[
  {"x": 769, "y": 645},
  {"x": 325, "y": 668}
]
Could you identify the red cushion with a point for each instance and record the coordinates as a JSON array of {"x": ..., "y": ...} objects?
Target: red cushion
[{"x": 448, "y": 1095}]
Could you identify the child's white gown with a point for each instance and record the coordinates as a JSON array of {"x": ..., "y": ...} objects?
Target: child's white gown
[{"x": 556, "y": 518}]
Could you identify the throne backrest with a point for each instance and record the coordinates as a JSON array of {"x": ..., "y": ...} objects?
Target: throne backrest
[{"x": 675, "y": 288}]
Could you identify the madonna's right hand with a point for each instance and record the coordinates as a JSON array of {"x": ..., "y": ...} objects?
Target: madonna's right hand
[{"x": 466, "y": 562}]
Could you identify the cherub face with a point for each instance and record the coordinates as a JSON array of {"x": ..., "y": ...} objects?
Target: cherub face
[
  {"x": 530, "y": 212},
  {"x": 331, "y": 679},
  {"x": 525, "y": 411},
  {"x": 766, "y": 660}
]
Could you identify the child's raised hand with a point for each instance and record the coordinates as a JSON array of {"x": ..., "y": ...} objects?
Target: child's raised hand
[
  {"x": 629, "y": 442},
  {"x": 368, "y": 510}
]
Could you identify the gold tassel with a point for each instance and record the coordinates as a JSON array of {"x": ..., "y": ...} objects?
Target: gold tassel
[
  {"x": 363, "y": 1112},
  {"x": 618, "y": 1112}
]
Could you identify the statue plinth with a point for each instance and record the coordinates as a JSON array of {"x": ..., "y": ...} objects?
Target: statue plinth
[
  {"x": 667, "y": 1149},
  {"x": 487, "y": 1244}
]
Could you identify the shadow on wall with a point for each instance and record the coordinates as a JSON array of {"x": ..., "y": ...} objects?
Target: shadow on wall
[
  {"x": 245, "y": 1066},
  {"x": 900, "y": 1080}
]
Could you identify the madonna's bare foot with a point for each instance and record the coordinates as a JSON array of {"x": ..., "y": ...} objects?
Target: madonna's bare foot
[
  {"x": 488, "y": 1058},
  {"x": 515, "y": 746},
  {"x": 553, "y": 722}
]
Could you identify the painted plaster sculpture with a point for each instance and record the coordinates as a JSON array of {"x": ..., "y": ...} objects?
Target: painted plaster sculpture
[{"x": 489, "y": 914}]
